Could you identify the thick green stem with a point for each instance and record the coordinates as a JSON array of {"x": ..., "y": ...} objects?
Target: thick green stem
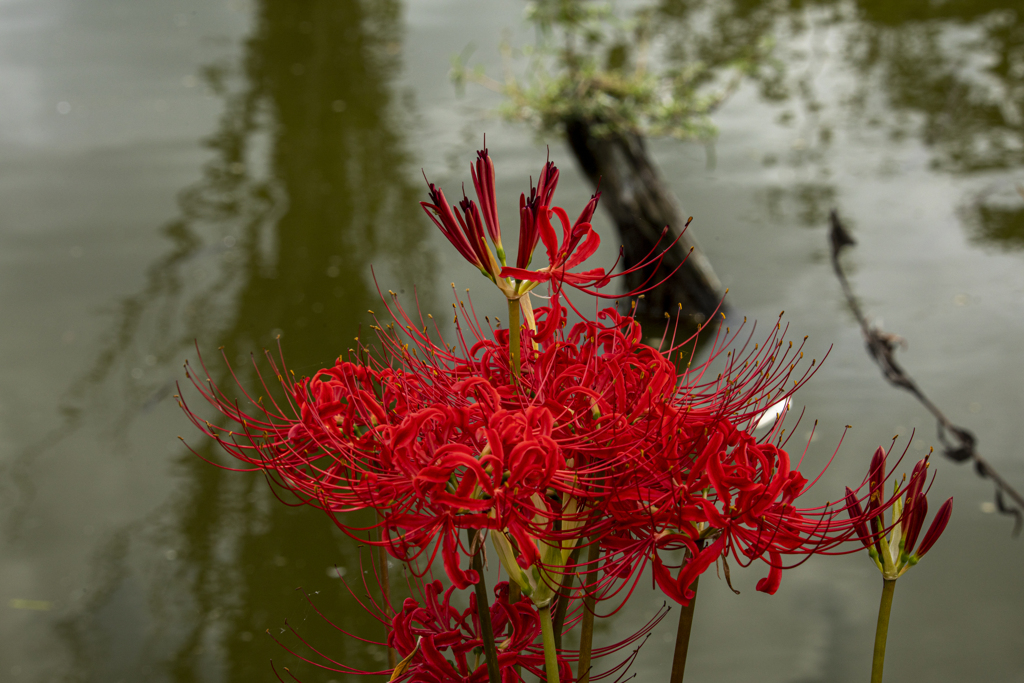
[
  {"x": 563, "y": 597},
  {"x": 882, "y": 630},
  {"x": 483, "y": 610},
  {"x": 587, "y": 626},
  {"x": 513, "y": 336},
  {"x": 683, "y": 636},
  {"x": 547, "y": 632},
  {"x": 385, "y": 594}
]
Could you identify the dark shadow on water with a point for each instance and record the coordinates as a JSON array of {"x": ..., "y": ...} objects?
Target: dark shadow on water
[{"x": 996, "y": 216}]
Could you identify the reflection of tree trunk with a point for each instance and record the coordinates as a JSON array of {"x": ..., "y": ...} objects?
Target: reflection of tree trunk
[{"x": 641, "y": 205}]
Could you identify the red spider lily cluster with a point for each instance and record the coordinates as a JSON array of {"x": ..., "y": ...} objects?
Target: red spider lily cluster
[{"x": 589, "y": 438}]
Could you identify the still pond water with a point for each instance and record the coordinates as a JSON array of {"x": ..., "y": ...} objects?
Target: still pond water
[{"x": 227, "y": 171}]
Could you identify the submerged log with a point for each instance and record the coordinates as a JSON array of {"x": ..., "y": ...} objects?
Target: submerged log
[{"x": 641, "y": 205}]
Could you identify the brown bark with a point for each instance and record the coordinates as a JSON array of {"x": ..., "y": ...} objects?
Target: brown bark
[{"x": 641, "y": 205}]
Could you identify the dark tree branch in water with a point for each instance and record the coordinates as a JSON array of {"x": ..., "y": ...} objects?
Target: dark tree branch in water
[
  {"x": 959, "y": 443},
  {"x": 641, "y": 205}
]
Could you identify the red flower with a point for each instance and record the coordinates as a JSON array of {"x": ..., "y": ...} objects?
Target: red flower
[
  {"x": 465, "y": 231},
  {"x": 436, "y": 641},
  {"x": 892, "y": 547},
  {"x": 579, "y": 242},
  {"x": 469, "y": 229},
  {"x": 601, "y": 437},
  {"x": 530, "y": 210}
]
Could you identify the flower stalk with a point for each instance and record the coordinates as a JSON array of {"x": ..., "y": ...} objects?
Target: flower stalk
[
  {"x": 550, "y": 653},
  {"x": 891, "y": 548},
  {"x": 683, "y": 636},
  {"x": 882, "y": 630},
  {"x": 564, "y": 598},
  {"x": 513, "y": 337},
  {"x": 483, "y": 610},
  {"x": 587, "y": 625}
]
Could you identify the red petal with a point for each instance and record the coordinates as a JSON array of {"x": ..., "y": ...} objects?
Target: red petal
[
  {"x": 450, "y": 554},
  {"x": 699, "y": 564},
  {"x": 590, "y": 244},
  {"x": 523, "y": 274},
  {"x": 566, "y": 225},
  {"x": 668, "y": 584},
  {"x": 770, "y": 583},
  {"x": 547, "y": 234}
]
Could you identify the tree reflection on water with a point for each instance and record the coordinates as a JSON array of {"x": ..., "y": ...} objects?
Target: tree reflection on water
[
  {"x": 950, "y": 74},
  {"x": 307, "y": 187}
]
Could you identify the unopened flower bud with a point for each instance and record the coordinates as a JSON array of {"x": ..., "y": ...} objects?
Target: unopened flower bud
[
  {"x": 937, "y": 527},
  {"x": 857, "y": 516},
  {"x": 876, "y": 476},
  {"x": 914, "y": 523}
]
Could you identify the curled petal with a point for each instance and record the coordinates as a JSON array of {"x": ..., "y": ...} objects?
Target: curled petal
[
  {"x": 461, "y": 579},
  {"x": 770, "y": 583}
]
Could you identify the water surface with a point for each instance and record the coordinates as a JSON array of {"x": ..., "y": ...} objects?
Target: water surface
[{"x": 228, "y": 172}]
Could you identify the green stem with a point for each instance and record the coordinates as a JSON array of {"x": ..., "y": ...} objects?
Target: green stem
[
  {"x": 563, "y": 597},
  {"x": 882, "y": 630},
  {"x": 683, "y": 636},
  {"x": 513, "y": 336},
  {"x": 483, "y": 610},
  {"x": 515, "y": 593},
  {"x": 385, "y": 593},
  {"x": 587, "y": 626},
  {"x": 547, "y": 632}
]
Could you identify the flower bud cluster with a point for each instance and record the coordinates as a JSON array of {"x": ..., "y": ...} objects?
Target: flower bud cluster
[{"x": 892, "y": 548}]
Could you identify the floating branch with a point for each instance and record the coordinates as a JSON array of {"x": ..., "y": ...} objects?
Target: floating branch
[{"x": 960, "y": 444}]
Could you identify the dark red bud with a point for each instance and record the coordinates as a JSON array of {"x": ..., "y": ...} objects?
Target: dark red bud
[
  {"x": 912, "y": 493},
  {"x": 917, "y": 479},
  {"x": 587, "y": 215},
  {"x": 546, "y": 184},
  {"x": 937, "y": 527},
  {"x": 483, "y": 181},
  {"x": 876, "y": 476},
  {"x": 857, "y": 516},
  {"x": 915, "y": 521}
]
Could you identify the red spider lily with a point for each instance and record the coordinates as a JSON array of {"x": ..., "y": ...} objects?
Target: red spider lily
[
  {"x": 469, "y": 228},
  {"x": 579, "y": 242},
  {"x": 465, "y": 231},
  {"x": 892, "y": 548},
  {"x": 599, "y": 435},
  {"x": 424, "y": 634},
  {"x": 437, "y": 642},
  {"x": 735, "y": 496},
  {"x": 740, "y": 503},
  {"x": 547, "y": 441},
  {"x": 530, "y": 212}
]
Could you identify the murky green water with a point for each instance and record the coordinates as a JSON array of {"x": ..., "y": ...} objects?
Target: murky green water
[{"x": 227, "y": 172}]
